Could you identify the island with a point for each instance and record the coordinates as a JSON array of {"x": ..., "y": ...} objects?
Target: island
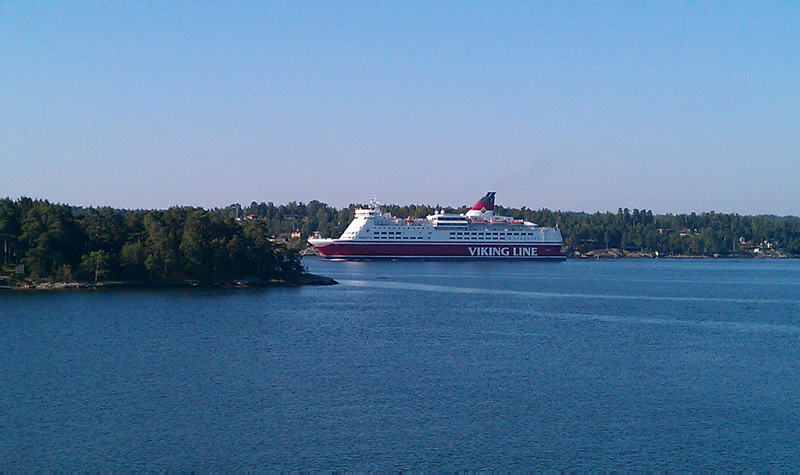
[{"x": 50, "y": 246}]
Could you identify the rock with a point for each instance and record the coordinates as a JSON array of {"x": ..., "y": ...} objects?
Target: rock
[
  {"x": 605, "y": 253},
  {"x": 248, "y": 281},
  {"x": 64, "y": 285},
  {"x": 310, "y": 251},
  {"x": 313, "y": 279}
]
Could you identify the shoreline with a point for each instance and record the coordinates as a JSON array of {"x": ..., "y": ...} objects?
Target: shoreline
[
  {"x": 614, "y": 253},
  {"x": 247, "y": 282}
]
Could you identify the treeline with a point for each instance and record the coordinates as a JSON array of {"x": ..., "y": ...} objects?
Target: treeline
[
  {"x": 315, "y": 217},
  {"x": 634, "y": 230},
  {"x": 692, "y": 234},
  {"x": 294, "y": 218},
  {"x": 63, "y": 243}
]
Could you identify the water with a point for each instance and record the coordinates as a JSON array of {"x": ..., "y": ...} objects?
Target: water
[{"x": 632, "y": 364}]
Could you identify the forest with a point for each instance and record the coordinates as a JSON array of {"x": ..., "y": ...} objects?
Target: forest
[
  {"x": 62, "y": 243},
  {"x": 58, "y": 242}
]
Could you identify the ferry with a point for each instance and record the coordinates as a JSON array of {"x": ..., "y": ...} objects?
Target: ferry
[{"x": 478, "y": 234}]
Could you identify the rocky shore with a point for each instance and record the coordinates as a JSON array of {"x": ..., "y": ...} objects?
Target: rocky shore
[
  {"x": 292, "y": 281},
  {"x": 614, "y": 253}
]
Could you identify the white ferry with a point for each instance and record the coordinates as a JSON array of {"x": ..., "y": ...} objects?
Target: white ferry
[{"x": 478, "y": 234}]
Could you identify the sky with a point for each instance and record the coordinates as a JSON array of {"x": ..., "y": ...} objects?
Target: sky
[{"x": 576, "y": 106}]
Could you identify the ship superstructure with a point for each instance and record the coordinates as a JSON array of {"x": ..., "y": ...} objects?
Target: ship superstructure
[{"x": 479, "y": 233}]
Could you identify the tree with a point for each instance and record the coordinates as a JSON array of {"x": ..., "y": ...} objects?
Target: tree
[
  {"x": 97, "y": 264},
  {"x": 9, "y": 228}
]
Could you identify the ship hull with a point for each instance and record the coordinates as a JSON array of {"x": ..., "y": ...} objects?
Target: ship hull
[{"x": 342, "y": 249}]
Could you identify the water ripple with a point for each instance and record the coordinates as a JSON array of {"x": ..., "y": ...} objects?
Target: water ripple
[{"x": 526, "y": 293}]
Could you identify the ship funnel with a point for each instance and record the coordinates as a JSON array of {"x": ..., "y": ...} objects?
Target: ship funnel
[{"x": 484, "y": 207}]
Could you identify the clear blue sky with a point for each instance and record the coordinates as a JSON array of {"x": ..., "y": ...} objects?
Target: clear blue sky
[{"x": 674, "y": 107}]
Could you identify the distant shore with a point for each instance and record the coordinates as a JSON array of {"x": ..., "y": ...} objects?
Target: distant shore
[
  {"x": 247, "y": 282},
  {"x": 615, "y": 253}
]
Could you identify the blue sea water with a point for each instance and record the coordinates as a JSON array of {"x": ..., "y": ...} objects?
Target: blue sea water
[{"x": 629, "y": 364}]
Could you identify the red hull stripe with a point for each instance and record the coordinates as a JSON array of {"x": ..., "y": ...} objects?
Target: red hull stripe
[{"x": 492, "y": 250}]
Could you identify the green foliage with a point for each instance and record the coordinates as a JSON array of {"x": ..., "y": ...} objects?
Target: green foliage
[
  {"x": 684, "y": 234},
  {"x": 57, "y": 242},
  {"x": 96, "y": 264}
]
